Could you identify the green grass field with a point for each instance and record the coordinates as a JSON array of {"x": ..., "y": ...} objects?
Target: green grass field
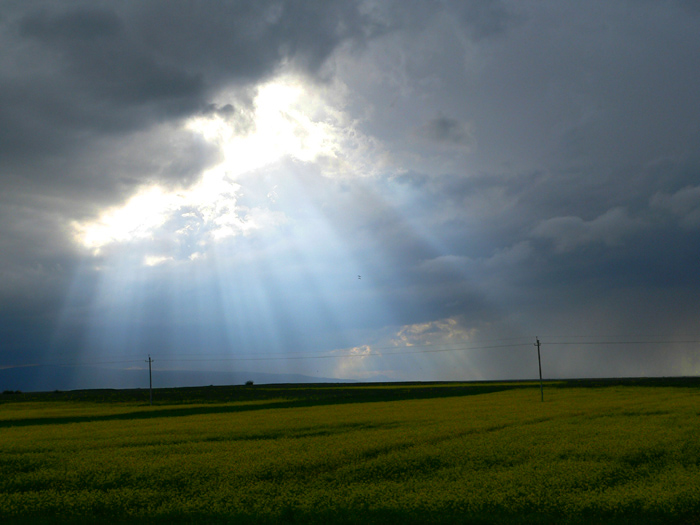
[{"x": 593, "y": 452}]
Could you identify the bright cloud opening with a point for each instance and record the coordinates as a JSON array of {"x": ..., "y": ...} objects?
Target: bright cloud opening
[
  {"x": 212, "y": 201},
  {"x": 290, "y": 121},
  {"x": 155, "y": 260},
  {"x": 135, "y": 220}
]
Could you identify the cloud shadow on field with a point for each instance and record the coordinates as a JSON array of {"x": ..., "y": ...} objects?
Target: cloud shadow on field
[{"x": 296, "y": 398}]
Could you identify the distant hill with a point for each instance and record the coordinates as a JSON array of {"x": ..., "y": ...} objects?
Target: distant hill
[{"x": 43, "y": 379}]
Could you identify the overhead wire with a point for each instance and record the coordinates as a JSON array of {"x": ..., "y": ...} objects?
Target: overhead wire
[
  {"x": 375, "y": 351},
  {"x": 336, "y": 356}
]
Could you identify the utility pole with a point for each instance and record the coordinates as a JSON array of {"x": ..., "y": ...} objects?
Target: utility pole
[
  {"x": 539, "y": 362},
  {"x": 150, "y": 380}
]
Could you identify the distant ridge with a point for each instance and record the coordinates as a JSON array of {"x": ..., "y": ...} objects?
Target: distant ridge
[{"x": 43, "y": 378}]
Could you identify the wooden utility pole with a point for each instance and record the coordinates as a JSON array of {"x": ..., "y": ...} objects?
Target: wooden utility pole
[
  {"x": 539, "y": 362},
  {"x": 150, "y": 380}
]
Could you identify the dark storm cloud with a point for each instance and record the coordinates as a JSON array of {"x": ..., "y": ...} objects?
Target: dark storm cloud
[
  {"x": 447, "y": 130},
  {"x": 684, "y": 204},
  {"x": 86, "y": 25},
  {"x": 479, "y": 19},
  {"x": 106, "y": 63},
  {"x": 246, "y": 40},
  {"x": 88, "y": 77},
  {"x": 85, "y": 70},
  {"x": 484, "y": 18}
]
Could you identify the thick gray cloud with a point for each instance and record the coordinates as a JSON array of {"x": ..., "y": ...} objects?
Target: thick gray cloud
[
  {"x": 486, "y": 170},
  {"x": 79, "y": 71},
  {"x": 447, "y": 130}
]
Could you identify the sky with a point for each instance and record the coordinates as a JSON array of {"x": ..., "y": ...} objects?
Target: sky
[{"x": 370, "y": 190}]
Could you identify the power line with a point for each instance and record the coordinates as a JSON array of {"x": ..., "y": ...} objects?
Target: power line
[
  {"x": 68, "y": 364},
  {"x": 459, "y": 345},
  {"x": 273, "y": 357},
  {"x": 580, "y": 343},
  {"x": 415, "y": 350},
  {"x": 336, "y": 356},
  {"x": 626, "y": 336}
]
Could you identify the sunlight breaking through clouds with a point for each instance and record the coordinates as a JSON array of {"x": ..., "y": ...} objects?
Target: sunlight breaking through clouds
[
  {"x": 142, "y": 214},
  {"x": 283, "y": 127},
  {"x": 155, "y": 260},
  {"x": 209, "y": 205},
  {"x": 291, "y": 120}
]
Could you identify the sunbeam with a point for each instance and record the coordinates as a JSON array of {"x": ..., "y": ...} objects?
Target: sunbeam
[{"x": 248, "y": 259}]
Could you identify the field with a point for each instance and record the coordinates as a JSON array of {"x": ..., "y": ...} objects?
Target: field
[{"x": 593, "y": 452}]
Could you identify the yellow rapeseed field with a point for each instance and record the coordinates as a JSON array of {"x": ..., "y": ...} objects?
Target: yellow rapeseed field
[{"x": 617, "y": 454}]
